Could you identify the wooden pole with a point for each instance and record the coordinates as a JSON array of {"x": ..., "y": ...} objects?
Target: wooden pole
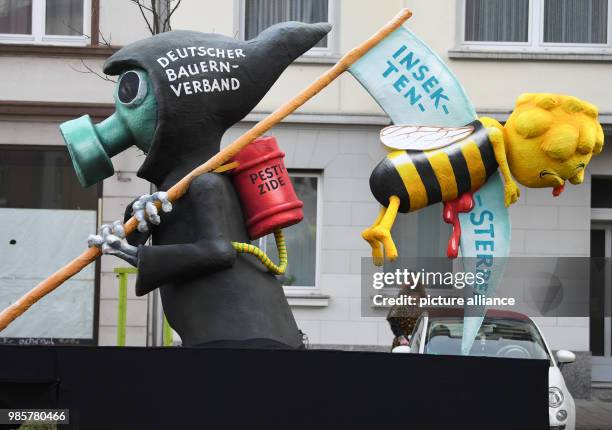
[{"x": 180, "y": 188}]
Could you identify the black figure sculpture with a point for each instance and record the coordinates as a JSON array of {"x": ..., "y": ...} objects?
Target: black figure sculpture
[{"x": 177, "y": 94}]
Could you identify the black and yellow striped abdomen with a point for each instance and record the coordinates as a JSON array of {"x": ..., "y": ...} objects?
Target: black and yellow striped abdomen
[{"x": 423, "y": 178}]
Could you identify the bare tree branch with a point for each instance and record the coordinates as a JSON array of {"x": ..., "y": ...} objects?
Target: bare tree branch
[
  {"x": 88, "y": 70},
  {"x": 155, "y": 16},
  {"x": 156, "y": 24},
  {"x": 167, "y": 25},
  {"x": 161, "y": 11},
  {"x": 79, "y": 32},
  {"x": 142, "y": 9},
  {"x": 106, "y": 42},
  {"x": 142, "y": 5}
]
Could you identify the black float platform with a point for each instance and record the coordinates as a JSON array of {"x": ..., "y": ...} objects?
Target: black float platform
[{"x": 184, "y": 388}]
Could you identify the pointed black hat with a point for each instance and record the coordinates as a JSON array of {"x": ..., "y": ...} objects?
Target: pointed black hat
[{"x": 205, "y": 83}]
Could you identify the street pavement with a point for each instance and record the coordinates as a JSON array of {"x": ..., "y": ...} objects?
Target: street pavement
[{"x": 593, "y": 414}]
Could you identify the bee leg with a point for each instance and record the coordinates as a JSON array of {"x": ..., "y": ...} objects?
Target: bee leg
[
  {"x": 511, "y": 190},
  {"x": 382, "y": 232},
  {"x": 368, "y": 235}
]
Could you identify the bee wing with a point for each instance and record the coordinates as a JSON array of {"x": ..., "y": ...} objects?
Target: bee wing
[{"x": 422, "y": 138}]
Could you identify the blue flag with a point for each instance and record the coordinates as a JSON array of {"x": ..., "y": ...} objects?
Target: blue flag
[
  {"x": 415, "y": 87},
  {"x": 485, "y": 241},
  {"x": 412, "y": 84}
]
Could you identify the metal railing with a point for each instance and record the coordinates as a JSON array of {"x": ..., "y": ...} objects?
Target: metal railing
[{"x": 122, "y": 274}]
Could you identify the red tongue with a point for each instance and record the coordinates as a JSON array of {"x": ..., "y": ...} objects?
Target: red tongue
[{"x": 558, "y": 190}]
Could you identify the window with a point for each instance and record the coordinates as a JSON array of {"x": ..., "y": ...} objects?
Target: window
[
  {"x": 536, "y": 25},
  {"x": 600, "y": 192},
  {"x": 45, "y": 218},
  {"x": 302, "y": 239},
  {"x": 257, "y": 15},
  {"x": 600, "y": 288},
  {"x": 497, "y": 20},
  {"x": 576, "y": 21},
  {"x": 52, "y": 22}
]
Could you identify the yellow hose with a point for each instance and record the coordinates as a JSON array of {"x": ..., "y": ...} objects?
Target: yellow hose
[{"x": 247, "y": 248}]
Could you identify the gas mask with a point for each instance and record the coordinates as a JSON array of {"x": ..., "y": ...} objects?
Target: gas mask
[{"x": 92, "y": 146}]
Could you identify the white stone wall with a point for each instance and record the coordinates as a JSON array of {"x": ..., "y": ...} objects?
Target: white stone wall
[
  {"x": 346, "y": 154},
  {"x": 491, "y": 84},
  {"x": 543, "y": 225},
  {"x": 55, "y": 79},
  {"x": 117, "y": 195}
]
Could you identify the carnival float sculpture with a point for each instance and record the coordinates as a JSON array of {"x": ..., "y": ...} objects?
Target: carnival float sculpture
[
  {"x": 549, "y": 139},
  {"x": 177, "y": 94},
  {"x": 440, "y": 151}
]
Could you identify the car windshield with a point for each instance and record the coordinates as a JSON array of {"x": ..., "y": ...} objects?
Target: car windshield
[{"x": 508, "y": 338}]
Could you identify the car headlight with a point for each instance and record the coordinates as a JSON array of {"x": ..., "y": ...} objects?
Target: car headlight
[
  {"x": 561, "y": 415},
  {"x": 555, "y": 397}
]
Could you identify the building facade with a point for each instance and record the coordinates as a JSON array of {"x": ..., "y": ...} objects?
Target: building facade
[{"x": 498, "y": 49}]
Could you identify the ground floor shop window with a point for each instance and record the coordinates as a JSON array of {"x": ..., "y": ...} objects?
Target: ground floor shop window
[{"x": 45, "y": 217}]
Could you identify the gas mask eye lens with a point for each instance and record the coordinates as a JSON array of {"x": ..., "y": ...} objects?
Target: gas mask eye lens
[{"x": 132, "y": 89}]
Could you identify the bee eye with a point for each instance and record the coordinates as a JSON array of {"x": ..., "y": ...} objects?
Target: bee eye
[{"x": 132, "y": 89}]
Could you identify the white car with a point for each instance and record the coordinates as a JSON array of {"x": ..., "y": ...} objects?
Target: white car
[{"x": 502, "y": 334}]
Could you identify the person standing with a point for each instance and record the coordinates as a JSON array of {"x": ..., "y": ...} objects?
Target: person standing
[{"x": 402, "y": 318}]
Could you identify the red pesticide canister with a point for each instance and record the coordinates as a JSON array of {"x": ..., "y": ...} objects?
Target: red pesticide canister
[{"x": 268, "y": 199}]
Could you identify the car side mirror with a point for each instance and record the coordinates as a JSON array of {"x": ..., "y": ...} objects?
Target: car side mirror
[
  {"x": 565, "y": 357},
  {"x": 402, "y": 349}
]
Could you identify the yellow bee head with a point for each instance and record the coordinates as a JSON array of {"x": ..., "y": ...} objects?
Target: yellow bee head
[{"x": 551, "y": 138}]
